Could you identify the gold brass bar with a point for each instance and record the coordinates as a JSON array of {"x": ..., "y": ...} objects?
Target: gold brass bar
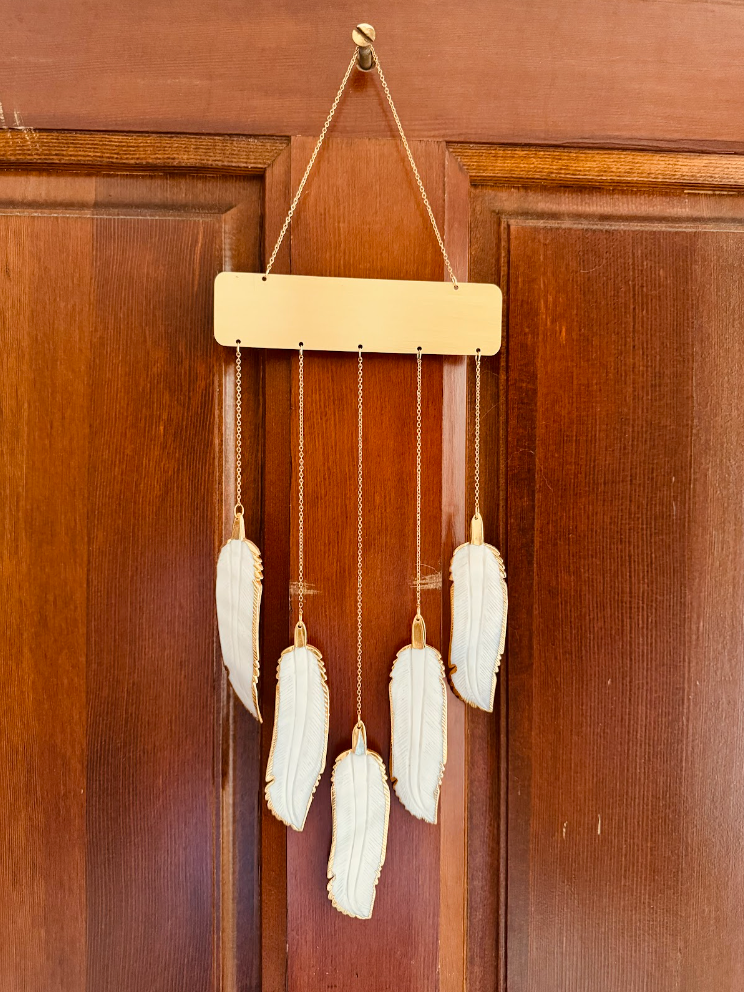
[{"x": 334, "y": 314}]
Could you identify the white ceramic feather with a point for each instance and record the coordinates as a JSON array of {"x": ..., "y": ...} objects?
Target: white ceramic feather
[
  {"x": 360, "y": 801},
  {"x": 300, "y": 738},
  {"x": 418, "y": 722},
  {"x": 238, "y": 593},
  {"x": 479, "y": 606}
]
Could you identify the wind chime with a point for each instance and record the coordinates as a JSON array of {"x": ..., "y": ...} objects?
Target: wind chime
[{"x": 413, "y": 318}]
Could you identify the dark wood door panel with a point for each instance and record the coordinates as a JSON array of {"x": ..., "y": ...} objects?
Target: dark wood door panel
[
  {"x": 43, "y": 480},
  {"x": 112, "y": 406},
  {"x": 624, "y": 743}
]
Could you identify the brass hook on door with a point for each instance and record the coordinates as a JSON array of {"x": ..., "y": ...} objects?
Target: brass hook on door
[{"x": 363, "y": 35}]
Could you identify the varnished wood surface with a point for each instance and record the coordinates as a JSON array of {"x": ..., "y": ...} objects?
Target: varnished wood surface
[
  {"x": 490, "y": 165},
  {"x": 45, "y": 572},
  {"x": 652, "y": 74},
  {"x": 276, "y": 497},
  {"x": 601, "y": 842},
  {"x": 623, "y": 687},
  {"x": 112, "y": 519},
  {"x": 225, "y": 153}
]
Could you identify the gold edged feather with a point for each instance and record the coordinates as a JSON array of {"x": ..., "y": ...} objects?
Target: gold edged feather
[
  {"x": 418, "y": 726},
  {"x": 479, "y": 601},
  {"x": 360, "y": 804},
  {"x": 238, "y": 590},
  {"x": 299, "y": 740}
]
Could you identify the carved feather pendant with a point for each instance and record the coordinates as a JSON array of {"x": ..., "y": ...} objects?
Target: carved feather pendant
[
  {"x": 239, "y": 574},
  {"x": 418, "y": 719},
  {"x": 479, "y": 605},
  {"x": 360, "y": 800},
  {"x": 300, "y": 738}
]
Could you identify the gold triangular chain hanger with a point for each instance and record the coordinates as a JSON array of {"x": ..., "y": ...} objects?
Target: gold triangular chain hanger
[{"x": 363, "y": 32}]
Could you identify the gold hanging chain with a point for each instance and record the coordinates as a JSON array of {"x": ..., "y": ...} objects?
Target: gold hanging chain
[
  {"x": 418, "y": 483},
  {"x": 238, "y": 433},
  {"x": 424, "y": 197},
  {"x": 360, "y": 382},
  {"x": 406, "y": 146},
  {"x": 477, "y": 430},
  {"x": 329, "y": 118},
  {"x": 301, "y": 484}
]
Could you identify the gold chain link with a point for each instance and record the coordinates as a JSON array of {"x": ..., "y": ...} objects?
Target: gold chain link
[
  {"x": 301, "y": 485},
  {"x": 360, "y": 382},
  {"x": 419, "y": 181},
  {"x": 477, "y": 430},
  {"x": 238, "y": 433},
  {"x": 418, "y": 483}
]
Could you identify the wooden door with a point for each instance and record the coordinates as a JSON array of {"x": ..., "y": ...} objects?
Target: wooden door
[{"x": 590, "y": 831}]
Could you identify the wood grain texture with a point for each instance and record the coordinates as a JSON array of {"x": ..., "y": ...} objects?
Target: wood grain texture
[
  {"x": 453, "y": 837},
  {"x": 113, "y": 515},
  {"x": 487, "y": 751},
  {"x": 44, "y": 395},
  {"x": 238, "y": 930},
  {"x": 147, "y": 152},
  {"x": 624, "y": 744},
  {"x": 490, "y": 165},
  {"x": 658, "y": 73},
  {"x": 601, "y": 840},
  {"x": 278, "y": 623}
]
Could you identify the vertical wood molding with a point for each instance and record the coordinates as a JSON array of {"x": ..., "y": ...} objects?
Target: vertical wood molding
[
  {"x": 453, "y": 836},
  {"x": 277, "y": 499},
  {"x": 225, "y": 861}
]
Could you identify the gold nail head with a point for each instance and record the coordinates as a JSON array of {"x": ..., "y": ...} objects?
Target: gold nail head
[{"x": 363, "y": 35}]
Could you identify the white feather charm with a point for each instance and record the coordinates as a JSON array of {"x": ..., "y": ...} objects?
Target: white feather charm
[
  {"x": 418, "y": 718},
  {"x": 300, "y": 738},
  {"x": 360, "y": 800},
  {"x": 479, "y": 606},
  {"x": 239, "y": 574}
]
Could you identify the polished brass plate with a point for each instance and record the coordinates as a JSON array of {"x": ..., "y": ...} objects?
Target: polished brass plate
[{"x": 396, "y": 316}]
